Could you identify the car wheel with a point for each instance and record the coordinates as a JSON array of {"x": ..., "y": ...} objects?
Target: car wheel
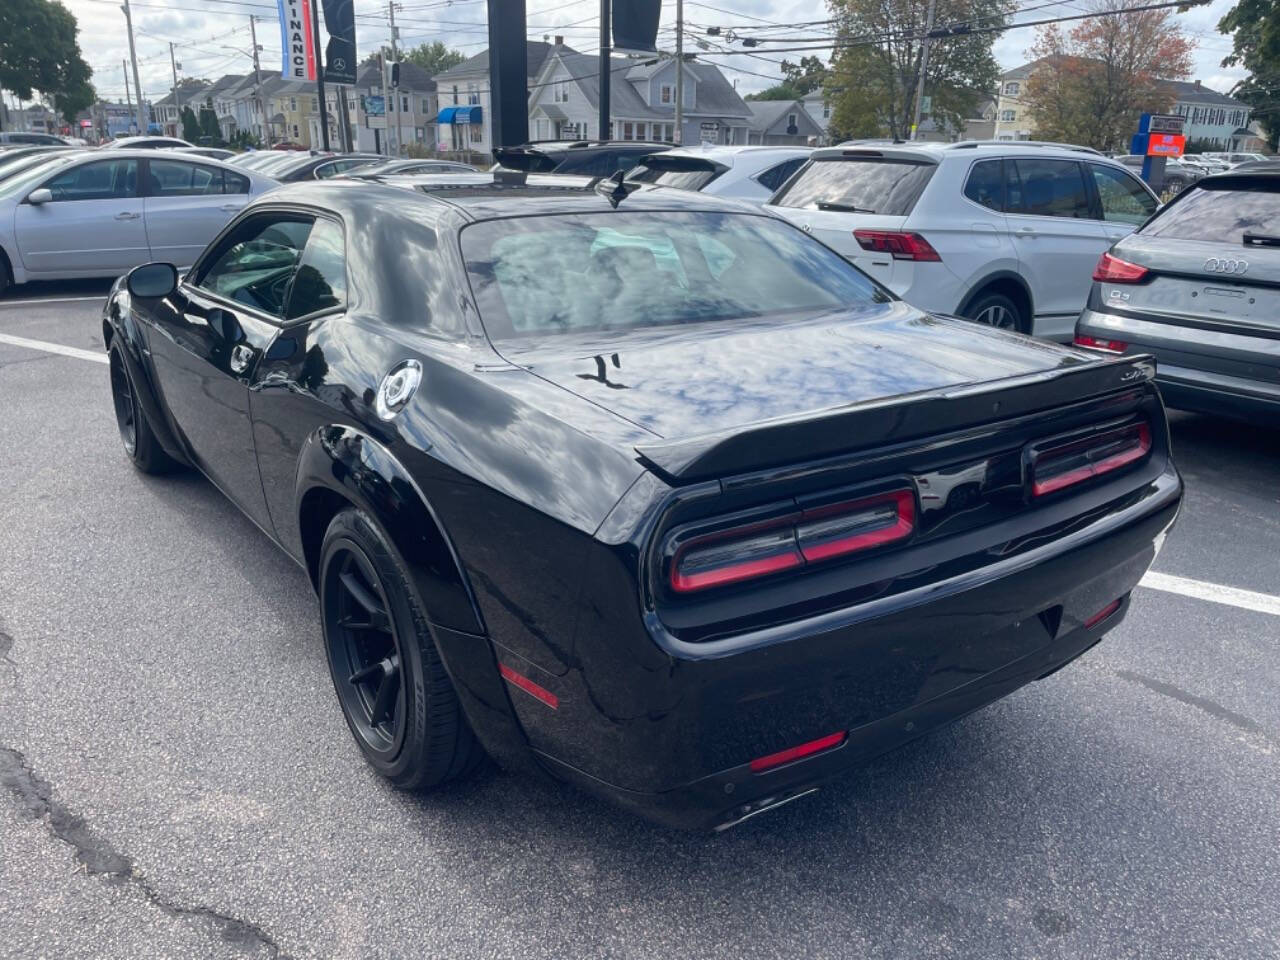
[
  {"x": 395, "y": 694},
  {"x": 995, "y": 310},
  {"x": 140, "y": 443},
  {"x": 6, "y": 278}
]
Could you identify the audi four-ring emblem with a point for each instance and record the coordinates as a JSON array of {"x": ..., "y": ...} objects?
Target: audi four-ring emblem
[{"x": 1226, "y": 265}]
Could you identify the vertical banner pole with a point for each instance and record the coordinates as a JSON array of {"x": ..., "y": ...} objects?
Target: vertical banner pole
[{"x": 324, "y": 110}]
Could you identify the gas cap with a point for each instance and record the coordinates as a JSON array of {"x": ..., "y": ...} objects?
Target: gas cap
[{"x": 397, "y": 388}]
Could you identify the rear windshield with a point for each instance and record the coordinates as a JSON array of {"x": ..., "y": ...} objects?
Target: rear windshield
[
  {"x": 670, "y": 172},
  {"x": 858, "y": 184},
  {"x": 540, "y": 276},
  {"x": 1220, "y": 213}
]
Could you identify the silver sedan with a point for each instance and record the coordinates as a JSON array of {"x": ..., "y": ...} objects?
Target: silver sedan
[{"x": 95, "y": 214}]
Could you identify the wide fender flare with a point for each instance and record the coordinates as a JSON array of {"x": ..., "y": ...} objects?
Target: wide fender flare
[
  {"x": 985, "y": 280},
  {"x": 355, "y": 466}
]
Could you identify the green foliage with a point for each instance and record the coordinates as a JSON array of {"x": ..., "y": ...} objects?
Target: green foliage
[
  {"x": 798, "y": 79},
  {"x": 244, "y": 140},
  {"x": 190, "y": 125},
  {"x": 210, "y": 132},
  {"x": 432, "y": 57},
  {"x": 38, "y": 51},
  {"x": 873, "y": 82},
  {"x": 1254, "y": 26}
]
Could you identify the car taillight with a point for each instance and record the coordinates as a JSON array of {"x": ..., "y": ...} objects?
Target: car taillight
[
  {"x": 1114, "y": 346},
  {"x": 1114, "y": 270},
  {"x": 812, "y": 536},
  {"x": 900, "y": 245},
  {"x": 1054, "y": 468}
]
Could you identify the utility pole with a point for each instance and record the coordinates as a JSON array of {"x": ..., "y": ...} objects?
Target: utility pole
[
  {"x": 124, "y": 68},
  {"x": 133, "y": 55},
  {"x": 679, "y": 72},
  {"x": 386, "y": 106},
  {"x": 176, "y": 105},
  {"x": 324, "y": 109},
  {"x": 606, "y": 49},
  {"x": 924, "y": 66},
  {"x": 395, "y": 59},
  {"x": 257, "y": 82}
]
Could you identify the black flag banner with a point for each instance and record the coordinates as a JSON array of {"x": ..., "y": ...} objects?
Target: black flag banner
[
  {"x": 340, "y": 52},
  {"x": 635, "y": 24}
]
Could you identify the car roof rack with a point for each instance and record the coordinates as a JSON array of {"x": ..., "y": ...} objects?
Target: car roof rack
[{"x": 974, "y": 144}]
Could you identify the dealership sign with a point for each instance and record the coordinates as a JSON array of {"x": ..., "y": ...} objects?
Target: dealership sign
[
  {"x": 297, "y": 40},
  {"x": 1165, "y": 144}
]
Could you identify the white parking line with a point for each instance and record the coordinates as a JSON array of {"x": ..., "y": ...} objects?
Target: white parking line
[
  {"x": 37, "y": 302},
  {"x": 53, "y": 348},
  {"x": 1213, "y": 592}
]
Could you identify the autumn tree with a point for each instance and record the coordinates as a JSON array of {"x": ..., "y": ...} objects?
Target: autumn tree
[
  {"x": 874, "y": 73},
  {"x": 1090, "y": 83},
  {"x": 1254, "y": 26}
]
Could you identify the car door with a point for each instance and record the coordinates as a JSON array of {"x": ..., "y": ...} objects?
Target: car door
[
  {"x": 209, "y": 337},
  {"x": 92, "y": 226},
  {"x": 1125, "y": 201},
  {"x": 1052, "y": 220},
  {"x": 186, "y": 204}
]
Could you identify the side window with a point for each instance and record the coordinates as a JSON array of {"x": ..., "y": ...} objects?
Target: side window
[
  {"x": 1049, "y": 188},
  {"x": 254, "y": 263},
  {"x": 985, "y": 185},
  {"x": 778, "y": 174},
  {"x": 321, "y": 280},
  {"x": 1124, "y": 198},
  {"x": 177, "y": 178},
  {"x": 234, "y": 183},
  {"x": 104, "y": 180}
]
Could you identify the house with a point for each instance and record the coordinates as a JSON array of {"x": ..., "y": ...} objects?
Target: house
[
  {"x": 167, "y": 112},
  {"x": 817, "y": 103},
  {"x": 1212, "y": 117},
  {"x": 467, "y": 85},
  {"x": 1013, "y": 120},
  {"x": 982, "y": 125},
  {"x": 413, "y": 109},
  {"x": 289, "y": 106},
  {"x": 565, "y": 101},
  {"x": 782, "y": 122}
]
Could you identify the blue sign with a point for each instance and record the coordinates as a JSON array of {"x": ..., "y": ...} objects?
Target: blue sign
[{"x": 374, "y": 106}]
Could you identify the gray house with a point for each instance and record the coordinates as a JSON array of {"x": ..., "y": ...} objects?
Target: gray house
[
  {"x": 564, "y": 101},
  {"x": 782, "y": 123}
]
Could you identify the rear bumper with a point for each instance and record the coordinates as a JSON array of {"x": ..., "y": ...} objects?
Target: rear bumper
[
  {"x": 1205, "y": 371},
  {"x": 677, "y": 737}
]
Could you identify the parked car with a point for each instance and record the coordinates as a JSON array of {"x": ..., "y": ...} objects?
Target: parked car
[
  {"x": 1198, "y": 288},
  {"x": 399, "y": 168},
  {"x": 319, "y": 167},
  {"x": 144, "y": 143},
  {"x": 22, "y": 138},
  {"x": 1233, "y": 159},
  {"x": 96, "y": 215},
  {"x": 213, "y": 153},
  {"x": 1003, "y": 233},
  {"x": 745, "y": 173},
  {"x": 13, "y": 162},
  {"x": 592, "y": 158},
  {"x": 640, "y": 486},
  {"x": 1177, "y": 175},
  {"x": 262, "y": 159}
]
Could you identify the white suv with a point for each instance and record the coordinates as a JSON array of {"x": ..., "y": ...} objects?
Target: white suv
[
  {"x": 742, "y": 172},
  {"x": 1002, "y": 233}
]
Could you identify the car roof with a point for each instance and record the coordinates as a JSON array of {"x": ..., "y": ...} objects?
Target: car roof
[
  {"x": 490, "y": 195},
  {"x": 936, "y": 151},
  {"x": 585, "y": 146},
  {"x": 725, "y": 153}
]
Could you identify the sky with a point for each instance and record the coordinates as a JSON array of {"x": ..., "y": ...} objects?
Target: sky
[{"x": 211, "y": 37}]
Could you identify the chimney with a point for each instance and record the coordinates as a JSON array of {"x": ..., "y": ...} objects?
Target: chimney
[
  {"x": 1197, "y": 84},
  {"x": 559, "y": 40}
]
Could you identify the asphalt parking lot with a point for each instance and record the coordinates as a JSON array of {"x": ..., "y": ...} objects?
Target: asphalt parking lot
[{"x": 176, "y": 779}]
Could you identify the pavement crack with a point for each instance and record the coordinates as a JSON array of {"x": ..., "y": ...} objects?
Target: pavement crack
[
  {"x": 1215, "y": 710},
  {"x": 100, "y": 859}
]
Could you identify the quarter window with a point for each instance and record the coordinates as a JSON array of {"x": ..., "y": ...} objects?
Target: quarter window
[
  {"x": 174, "y": 178},
  {"x": 255, "y": 263},
  {"x": 104, "y": 180},
  {"x": 1124, "y": 198},
  {"x": 321, "y": 280},
  {"x": 778, "y": 174},
  {"x": 1048, "y": 188},
  {"x": 985, "y": 185}
]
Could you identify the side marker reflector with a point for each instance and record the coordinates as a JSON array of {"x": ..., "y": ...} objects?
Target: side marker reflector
[
  {"x": 1102, "y": 614},
  {"x": 761, "y": 764},
  {"x": 529, "y": 687}
]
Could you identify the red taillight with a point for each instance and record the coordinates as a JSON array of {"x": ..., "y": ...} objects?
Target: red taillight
[
  {"x": 1114, "y": 270},
  {"x": 1114, "y": 346},
  {"x": 812, "y": 536},
  {"x": 761, "y": 764},
  {"x": 1055, "y": 468},
  {"x": 900, "y": 245}
]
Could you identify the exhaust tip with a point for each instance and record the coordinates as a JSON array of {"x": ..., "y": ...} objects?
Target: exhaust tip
[{"x": 746, "y": 811}]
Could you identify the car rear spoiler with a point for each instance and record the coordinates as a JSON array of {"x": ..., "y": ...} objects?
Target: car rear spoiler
[
  {"x": 822, "y": 433},
  {"x": 527, "y": 159}
]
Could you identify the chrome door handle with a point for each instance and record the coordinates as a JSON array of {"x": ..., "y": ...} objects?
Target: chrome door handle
[
  {"x": 1025, "y": 232},
  {"x": 127, "y": 216},
  {"x": 229, "y": 207}
]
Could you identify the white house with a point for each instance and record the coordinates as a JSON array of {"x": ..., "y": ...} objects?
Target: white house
[
  {"x": 818, "y": 105},
  {"x": 782, "y": 122}
]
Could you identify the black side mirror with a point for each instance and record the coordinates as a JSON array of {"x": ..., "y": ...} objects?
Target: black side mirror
[{"x": 151, "y": 281}]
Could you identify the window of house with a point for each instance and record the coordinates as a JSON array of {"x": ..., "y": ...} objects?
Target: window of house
[
  {"x": 628, "y": 131},
  {"x": 314, "y": 104},
  {"x": 1012, "y": 88},
  {"x": 667, "y": 93},
  {"x": 295, "y": 130},
  {"x": 455, "y": 94},
  {"x": 791, "y": 120},
  {"x": 1008, "y": 115},
  {"x": 404, "y": 104},
  {"x": 426, "y": 106},
  {"x": 477, "y": 133},
  {"x": 293, "y": 103},
  {"x": 473, "y": 94}
]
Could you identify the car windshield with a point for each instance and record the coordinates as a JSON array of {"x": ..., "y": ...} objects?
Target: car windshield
[
  {"x": 546, "y": 275},
  {"x": 1210, "y": 212}
]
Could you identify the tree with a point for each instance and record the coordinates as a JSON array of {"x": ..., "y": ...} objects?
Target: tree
[
  {"x": 39, "y": 51},
  {"x": 797, "y": 80},
  {"x": 190, "y": 125},
  {"x": 875, "y": 70},
  {"x": 1090, "y": 84},
  {"x": 210, "y": 132},
  {"x": 1255, "y": 29},
  {"x": 432, "y": 57}
]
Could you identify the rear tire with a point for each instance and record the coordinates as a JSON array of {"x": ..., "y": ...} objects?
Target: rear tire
[
  {"x": 996, "y": 310},
  {"x": 6, "y": 274},
  {"x": 394, "y": 692},
  {"x": 140, "y": 443}
]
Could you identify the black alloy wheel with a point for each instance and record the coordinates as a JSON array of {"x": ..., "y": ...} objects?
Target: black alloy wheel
[
  {"x": 364, "y": 651},
  {"x": 126, "y": 405}
]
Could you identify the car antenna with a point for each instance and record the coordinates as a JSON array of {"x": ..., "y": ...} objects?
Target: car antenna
[{"x": 615, "y": 189}]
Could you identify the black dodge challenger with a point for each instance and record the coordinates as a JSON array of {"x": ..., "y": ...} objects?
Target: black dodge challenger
[{"x": 645, "y": 489}]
